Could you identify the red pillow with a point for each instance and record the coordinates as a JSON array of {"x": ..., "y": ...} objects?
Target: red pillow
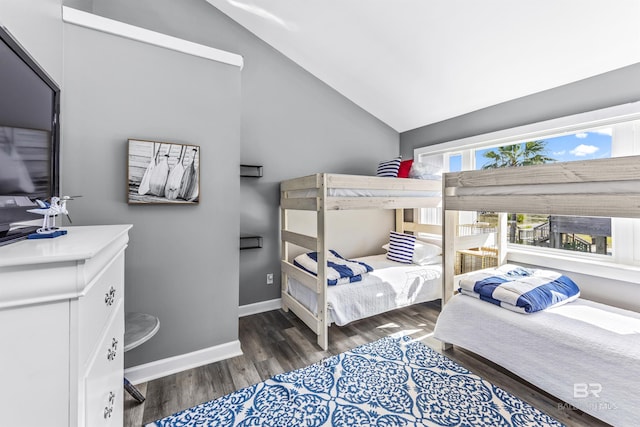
[{"x": 405, "y": 167}]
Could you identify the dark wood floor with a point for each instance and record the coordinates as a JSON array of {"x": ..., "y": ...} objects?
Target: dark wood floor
[{"x": 276, "y": 342}]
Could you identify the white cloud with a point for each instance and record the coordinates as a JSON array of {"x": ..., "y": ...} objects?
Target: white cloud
[
  {"x": 603, "y": 131},
  {"x": 559, "y": 153},
  {"x": 583, "y": 150},
  {"x": 606, "y": 131}
]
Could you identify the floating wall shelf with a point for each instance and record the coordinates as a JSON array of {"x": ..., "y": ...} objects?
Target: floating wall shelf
[
  {"x": 250, "y": 242},
  {"x": 251, "y": 171}
]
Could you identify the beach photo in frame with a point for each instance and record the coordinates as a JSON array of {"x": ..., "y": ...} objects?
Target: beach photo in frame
[{"x": 163, "y": 172}]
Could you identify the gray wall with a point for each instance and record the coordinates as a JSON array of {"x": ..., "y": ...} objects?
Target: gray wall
[
  {"x": 295, "y": 125},
  {"x": 86, "y": 5},
  {"x": 292, "y": 124},
  {"x": 182, "y": 261},
  {"x": 37, "y": 25},
  {"x": 605, "y": 90}
]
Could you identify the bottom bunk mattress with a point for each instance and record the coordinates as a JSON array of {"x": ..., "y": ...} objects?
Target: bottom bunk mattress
[
  {"x": 583, "y": 352},
  {"x": 390, "y": 285}
]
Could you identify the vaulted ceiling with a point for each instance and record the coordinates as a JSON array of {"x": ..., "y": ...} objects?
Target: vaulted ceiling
[{"x": 415, "y": 62}]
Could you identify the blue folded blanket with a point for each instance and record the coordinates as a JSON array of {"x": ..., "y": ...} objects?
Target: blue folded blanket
[
  {"x": 339, "y": 269},
  {"x": 519, "y": 289}
]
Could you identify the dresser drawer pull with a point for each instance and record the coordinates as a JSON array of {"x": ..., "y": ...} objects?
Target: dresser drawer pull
[
  {"x": 110, "y": 296},
  {"x": 112, "y": 351},
  {"x": 109, "y": 408}
]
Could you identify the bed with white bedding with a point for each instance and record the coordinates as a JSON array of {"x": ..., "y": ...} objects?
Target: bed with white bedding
[
  {"x": 583, "y": 352},
  {"x": 390, "y": 285},
  {"x": 323, "y": 192}
]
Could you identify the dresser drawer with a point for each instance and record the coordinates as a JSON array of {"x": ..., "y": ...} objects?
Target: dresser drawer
[
  {"x": 98, "y": 306},
  {"x": 104, "y": 378}
]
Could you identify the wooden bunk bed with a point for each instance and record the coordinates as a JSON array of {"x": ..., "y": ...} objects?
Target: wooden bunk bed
[
  {"x": 593, "y": 345},
  {"x": 324, "y": 192}
]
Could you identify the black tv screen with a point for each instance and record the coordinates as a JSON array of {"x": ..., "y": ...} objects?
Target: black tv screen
[{"x": 29, "y": 133}]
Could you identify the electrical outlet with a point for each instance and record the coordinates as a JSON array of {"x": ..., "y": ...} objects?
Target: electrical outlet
[{"x": 269, "y": 278}]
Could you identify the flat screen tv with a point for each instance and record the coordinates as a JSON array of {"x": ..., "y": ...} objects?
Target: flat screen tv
[{"x": 29, "y": 137}]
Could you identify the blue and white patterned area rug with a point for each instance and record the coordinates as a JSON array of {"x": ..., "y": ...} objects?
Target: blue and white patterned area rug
[{"x": 390, "y": 382}]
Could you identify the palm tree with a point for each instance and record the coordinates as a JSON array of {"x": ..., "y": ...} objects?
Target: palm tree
[{"x": 525, "y": 154}]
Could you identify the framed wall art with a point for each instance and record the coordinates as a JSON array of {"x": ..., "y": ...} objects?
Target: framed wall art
[{"x": 163, "y": 172}]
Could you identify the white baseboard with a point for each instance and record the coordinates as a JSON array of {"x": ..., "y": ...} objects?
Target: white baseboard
[
  {"x": 171, "y": 365},
  {"x": 259, "y": 307}
]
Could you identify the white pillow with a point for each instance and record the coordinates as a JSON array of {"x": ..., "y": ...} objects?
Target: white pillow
[
  {"x": 425, "y": 171},
  {"x": 431, "y": 238},
  {"x": 423, "y": 253}
]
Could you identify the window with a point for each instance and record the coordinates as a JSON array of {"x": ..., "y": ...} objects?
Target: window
[
  {"x": 604, "y": 133},
  {"x": 439, "y": 164},
  {"x": 579, "y": 234},
  {"x": 583, "y": 145},
  {"x": 455, "y": 163}
]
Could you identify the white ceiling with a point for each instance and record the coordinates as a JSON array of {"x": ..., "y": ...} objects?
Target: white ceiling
[{"x": 415, "y": 62}]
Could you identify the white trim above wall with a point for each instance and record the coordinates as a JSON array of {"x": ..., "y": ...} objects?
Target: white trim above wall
[
  {"x": 259, "y": 307},
  {"x": 171, "y": 365},
  {"x": 110, "y": 26}
]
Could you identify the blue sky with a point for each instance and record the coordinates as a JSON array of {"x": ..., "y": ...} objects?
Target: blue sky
[{"x": 578, "y": 146}]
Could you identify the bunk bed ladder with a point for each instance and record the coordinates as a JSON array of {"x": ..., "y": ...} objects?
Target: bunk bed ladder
[{"x": 317, "y": 322}]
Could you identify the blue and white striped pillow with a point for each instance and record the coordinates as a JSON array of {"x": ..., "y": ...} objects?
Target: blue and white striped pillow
[
  {"x": 401, "y": 247},
  {"x": 389, "y": 168}
]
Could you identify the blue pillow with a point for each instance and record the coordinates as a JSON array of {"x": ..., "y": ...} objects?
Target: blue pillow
[
  {"x": 401, "y": 247},
  {"x": 389, "y": 168}
]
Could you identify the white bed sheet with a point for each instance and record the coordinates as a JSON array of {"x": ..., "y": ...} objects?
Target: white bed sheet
[
  {"x": 583, "y": 345},
  {"x": 362, "y": 192},
  {"x": 390, "y": 285}
]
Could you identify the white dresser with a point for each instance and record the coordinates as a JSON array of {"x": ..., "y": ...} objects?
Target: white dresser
[{"x": 62, "y": 329}]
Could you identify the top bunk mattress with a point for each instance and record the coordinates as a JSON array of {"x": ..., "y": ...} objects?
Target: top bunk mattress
[
  {"x": 353, "y": 186},
  {"x": 578, "y": 343},
  {"x": 390, "y": 285},
  {"x": 362, "y": 192}
]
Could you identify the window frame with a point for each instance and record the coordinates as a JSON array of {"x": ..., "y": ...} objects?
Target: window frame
[{"x": 624, "y": 263}]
